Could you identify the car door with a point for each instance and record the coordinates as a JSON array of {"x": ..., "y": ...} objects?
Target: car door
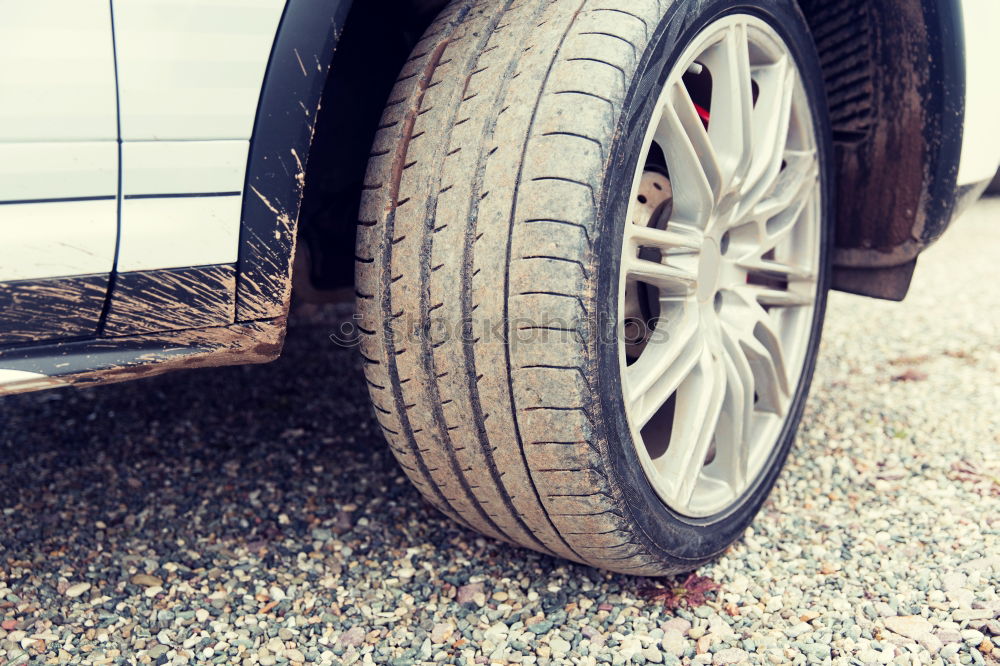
[{"x": 59, "y": 159}]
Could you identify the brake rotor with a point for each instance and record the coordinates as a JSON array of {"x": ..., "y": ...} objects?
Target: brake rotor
[{"x": 652, "y": 208}]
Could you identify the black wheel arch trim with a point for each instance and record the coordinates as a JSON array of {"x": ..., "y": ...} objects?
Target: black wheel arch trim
[{"x": 290, "y": 97}]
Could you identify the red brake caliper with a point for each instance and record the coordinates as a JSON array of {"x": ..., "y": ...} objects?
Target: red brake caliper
[{"x": 702, "y": 113}]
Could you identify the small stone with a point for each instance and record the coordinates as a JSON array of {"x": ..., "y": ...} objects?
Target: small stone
[
  {"x": 157, "y": 651},
  {"x": 559, "y": 646},
  {"x": 76, "y": 590},
  {"x": 817, "y": 652},
  {"x": 972, "y": 637},
  {"x": 730, "y": 656},
  {"x": 442, "y": 632},
  {"x": 948, "y": 636},
  {"x": 467, "y": 593},
  {"x": 285, "y": 634},
  {"x": 798, "y": 630},
  {"x": 674, "y": 643},
  {"x": 146, "y": 580},
  {"x": 963, "y": 614},
  {"x": 321, "y": 534},
  {"x": 911, "y": 626},
  {"x": 652, "y": 655},
  {"x": 539, "y": 628},
  {"x": 202, "y": 615},
  {"x": 295, "y": 655},
  {"x": 949, "y": 651},
  {"x": 930, "y": 642},
  {"x": 678, "y": 624},
  {"x": 353, "y": 637}
]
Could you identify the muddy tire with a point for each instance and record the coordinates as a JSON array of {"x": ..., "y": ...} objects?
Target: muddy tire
[{"x": 489, "y": 244}]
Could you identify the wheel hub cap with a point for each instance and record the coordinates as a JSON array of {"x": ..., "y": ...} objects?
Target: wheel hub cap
[{"x": 710, "y": 265}]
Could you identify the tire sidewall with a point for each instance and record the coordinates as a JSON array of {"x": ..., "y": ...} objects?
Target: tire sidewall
[{"x": 674, "y": 538}]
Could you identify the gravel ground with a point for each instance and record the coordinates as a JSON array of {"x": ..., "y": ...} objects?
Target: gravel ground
[{"x": 254, "y": 515}]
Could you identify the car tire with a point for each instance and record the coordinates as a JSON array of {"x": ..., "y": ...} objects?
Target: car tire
[{"x": 490, "y": 272}]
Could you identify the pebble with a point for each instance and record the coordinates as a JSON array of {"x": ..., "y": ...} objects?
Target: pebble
[
  {"x": 353, "y": 637},
  {"x": 441, "y": 632},
  {"x": 146, "y": 580},
  {"x": 677, "y": 624},
  {"x": 157, "y": 651},
  {"x": 972, "y": 636},
  {"x": 76, "y": 590},
  {"x": 730, "y": 656},
  {"x": 674, "y": 643}
]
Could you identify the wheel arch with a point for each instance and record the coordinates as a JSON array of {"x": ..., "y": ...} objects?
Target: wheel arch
[
  {"x": 895, "y": 80},
  {"x": 375, "y": 43}
]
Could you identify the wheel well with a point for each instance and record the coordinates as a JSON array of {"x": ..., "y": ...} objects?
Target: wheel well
[
  {"x": 376, "y": 41},
  {"x": 894, "y": 79}
]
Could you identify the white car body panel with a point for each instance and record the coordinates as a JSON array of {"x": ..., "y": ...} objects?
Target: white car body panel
[
  {"x": 182, "y": 202},
  {"x": 981, "y": 139},
  {"x": 34, "y": 171},
  {"x": 57, "y": 71},
  {"x": 58, "y": 139},
  {"x": 50, "y": 233},
  {"x": 192, "y": 69},
  {"x": 190, "y": 74},
  {"x": 57, "y": 238},
  {"x": 186, "y": 231}
]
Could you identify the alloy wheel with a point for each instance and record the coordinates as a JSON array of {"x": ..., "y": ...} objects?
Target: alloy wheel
[{"x": 720, "y": 266}]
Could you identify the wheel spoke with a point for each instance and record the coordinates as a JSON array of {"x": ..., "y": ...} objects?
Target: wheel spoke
[
  {"x": 771, "y": 117},
  {"x": 733, "y": 437},
  {"x": 696, "y": 421},
  {"x": 669, "y": 279},
  {"x": 675, "y": 239},
  {"x": 778, "y": 298},
  {"x": 691, "y": 159},
  {"x": 792, "y": 190},
  {"x": 731, "y": 126},
  {"x": 778, "y": 269},
  {"x": 755, "y": 330},
  {"x": 663, "y": 366}
]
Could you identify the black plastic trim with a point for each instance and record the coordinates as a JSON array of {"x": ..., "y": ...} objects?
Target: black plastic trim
[
  {"x": 171, "y": 299},
  {"x": 279, "y": 151},
  {"x": 945, "y": 102},
  {"x": 51, "y": 308}
]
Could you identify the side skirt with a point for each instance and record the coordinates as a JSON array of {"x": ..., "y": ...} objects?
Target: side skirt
[{"x": 90, "y": 362}]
